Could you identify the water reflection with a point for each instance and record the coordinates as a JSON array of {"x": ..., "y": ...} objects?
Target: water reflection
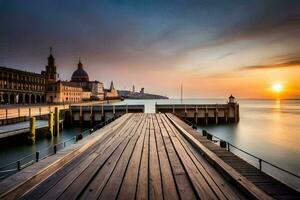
[{"x": 16, "y": 148}]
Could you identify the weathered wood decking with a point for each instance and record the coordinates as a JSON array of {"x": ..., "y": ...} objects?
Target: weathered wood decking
[
  {"x": 268, "y": 184},
  {"x": 146, "y": 157}
]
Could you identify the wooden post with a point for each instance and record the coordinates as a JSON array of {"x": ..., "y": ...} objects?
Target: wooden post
[
  {"x": 40, "y": 111},
  {"x": 91, "y": 117},
  {"x": 206, "y": 115},
  {"x": 31, "y": 136},
  {"x": 80, "y": 117},
  {"x": 19, "y": 113},
  {"x": 6, "y": 113},
  {"x": 223, "y": 144},
  {"x": 29, "y": 112},
  {"x": 114, "y": 111},
  {"x": 126, "y": 108},
  {"x": 216, "y": 115},
  {"x": 50, "y": 124},
  {"x": 56, "y": 122}
]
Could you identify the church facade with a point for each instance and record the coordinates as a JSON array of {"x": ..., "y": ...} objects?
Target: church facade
[{"x": 21, "y": 87}]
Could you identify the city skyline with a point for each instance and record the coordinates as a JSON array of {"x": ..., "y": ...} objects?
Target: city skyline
[{"x": 214, "y": 48}]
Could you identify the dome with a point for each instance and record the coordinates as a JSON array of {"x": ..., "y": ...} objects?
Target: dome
[{"x": 80, "y": 75}]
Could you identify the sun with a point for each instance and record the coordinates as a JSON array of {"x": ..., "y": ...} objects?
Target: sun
[{"x": 277, "y": 87}]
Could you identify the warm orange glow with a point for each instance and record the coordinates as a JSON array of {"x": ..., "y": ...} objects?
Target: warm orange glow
[{"x": 277, "y": 87}]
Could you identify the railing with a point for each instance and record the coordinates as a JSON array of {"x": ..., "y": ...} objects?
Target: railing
[
  {"x": 28, "y": 160},
  {"x": 258, "y": 162}
]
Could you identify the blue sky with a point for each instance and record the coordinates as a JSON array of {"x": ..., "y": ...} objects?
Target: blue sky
[{"x": 157, "y": 44}]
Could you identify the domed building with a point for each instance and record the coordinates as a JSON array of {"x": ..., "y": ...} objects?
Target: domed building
[{"x": 80, "y": 75}]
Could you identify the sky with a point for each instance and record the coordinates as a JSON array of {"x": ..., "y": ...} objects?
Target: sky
[{"x": 214, "y": 48}]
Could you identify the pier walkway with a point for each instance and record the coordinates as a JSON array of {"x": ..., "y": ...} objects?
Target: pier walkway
[
  {"x": 21, "y": 127},
  {"x": 139, "y": 156},
  {"x": 268, "y": 184}
]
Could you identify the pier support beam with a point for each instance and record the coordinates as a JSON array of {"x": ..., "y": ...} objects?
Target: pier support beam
[
  {"x": 216, "y": 115},
  {"x": 50, "y": 125},
  {"x": 56, "y": 122},
  {"x": 31, "y": 136}
]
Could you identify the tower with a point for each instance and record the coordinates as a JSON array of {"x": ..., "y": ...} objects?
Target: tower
[{"x": 51, "y": 74}]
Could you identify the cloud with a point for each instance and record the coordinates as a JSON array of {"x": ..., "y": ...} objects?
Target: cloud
[{"x": 289, "y": 63}]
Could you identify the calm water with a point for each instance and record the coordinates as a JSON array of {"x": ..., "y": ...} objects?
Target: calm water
[
  {"x": 269, "y": 129},
  {"x": 14, "y": 149}
]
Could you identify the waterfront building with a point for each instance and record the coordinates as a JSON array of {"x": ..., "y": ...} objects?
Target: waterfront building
[
  {"x": 112, "y": 93},
  {"x": 21, "y": 87}
]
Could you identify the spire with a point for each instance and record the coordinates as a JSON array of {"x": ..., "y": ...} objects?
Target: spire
[
  {"x": 80, "y": 66},
  {"x": 51, "y": 60},
  {"x": 112, "y": 86}
]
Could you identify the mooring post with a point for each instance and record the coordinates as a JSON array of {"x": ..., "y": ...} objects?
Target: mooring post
[
  {"x": 91, "y": 117},
  {"x": 223, "y": 144},
  {"x": 56, "y": 121},
  {"x": 80, "y": 117},
  {"x": 50, "y": 124},
  {"x": 19, "y": 113},
  {"x": 6, "y": 113},
  {"x": 114, "y": 111},
  {"x": 126, "y": 108},
  {"x": 209, "y": 136},
  {"x": 37, "y": 156},
  {"x": 31, "y": 136},
  {"x": 216, "y": 115}
]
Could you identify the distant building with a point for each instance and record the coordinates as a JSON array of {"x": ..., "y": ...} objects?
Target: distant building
[
  {"x": 142, "y": 91},
  {"x": 112, "y": 93},
  {"x": 21, "y": 87}
]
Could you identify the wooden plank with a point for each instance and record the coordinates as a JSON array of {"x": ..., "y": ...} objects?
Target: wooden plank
[
  {"x": 81, "y": 182},
  {"x": 142, "y": 185},
  {"x": 155, "y": 184},
  {"x": 130, "y": 181},
  {"x": 183, "y": 184},
  {"x": 30, "y": 183},
  {"x": 95, "y": 187},
  {"x": 216, "y": 182},
  {"x": 169, "y": 188},
  {"x": 244, "y": 183},
  {"x": 202, "y": 188},
  {"x": 111, "y": 189},
  {"x": 46, "y": 185}
]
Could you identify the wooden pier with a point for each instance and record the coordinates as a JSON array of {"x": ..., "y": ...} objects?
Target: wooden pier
[
  {"x": 268, "y": 184},
  {"x": 203, "y": 113},
  {"x": 138, "y": 156},
  {"x": 93, "y": 114}
]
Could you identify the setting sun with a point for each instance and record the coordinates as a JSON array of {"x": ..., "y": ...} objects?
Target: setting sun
[{"x": 277, "y": 87}]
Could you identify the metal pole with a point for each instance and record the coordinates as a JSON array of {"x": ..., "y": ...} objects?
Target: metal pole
[{"x": 181, "y": 93}]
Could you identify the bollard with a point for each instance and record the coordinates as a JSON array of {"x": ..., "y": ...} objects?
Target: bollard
[
  {"x": 31, "y": 136},
  {"x": 19, "y": 165},
  {"x": 79, "y": 137},
  {"x": 37, "y": 156},
  {"x": 223, "y": 144},
  {"x": 54, "y": 149},
  {"x": 50, "y": 125},
  {"x": 194, "y": 126},
  {"x": 56, "y": 122},
  {"x": 204, "y": 132},
  {"x": 209, "y": 136}
]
